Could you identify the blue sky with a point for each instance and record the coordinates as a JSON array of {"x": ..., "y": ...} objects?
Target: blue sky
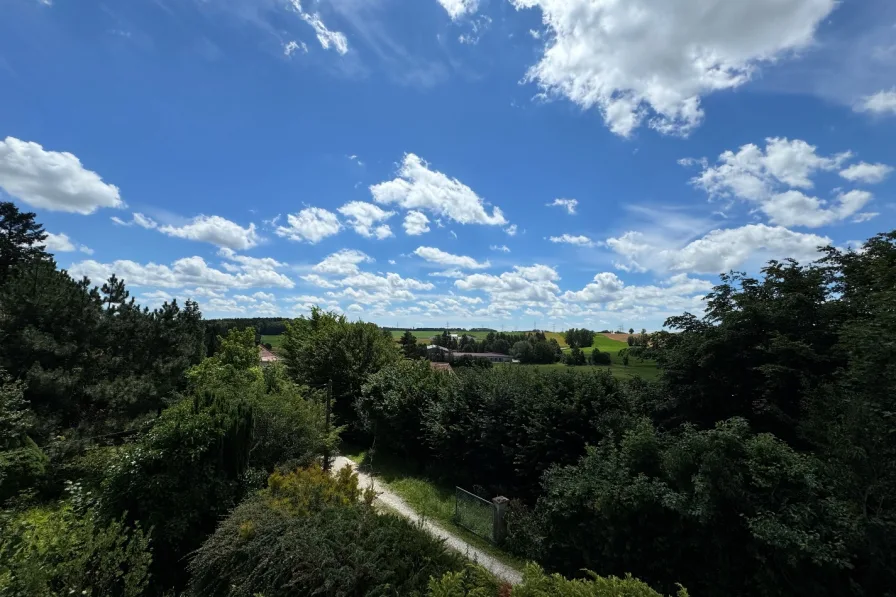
[{"x": 500, "y": 162}]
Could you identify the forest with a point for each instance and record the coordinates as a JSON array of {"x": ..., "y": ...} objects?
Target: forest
[{"x": 139, "y": 458}]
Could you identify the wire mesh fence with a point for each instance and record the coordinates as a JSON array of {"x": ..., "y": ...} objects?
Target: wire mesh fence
[{"x": 474, "y": 514}]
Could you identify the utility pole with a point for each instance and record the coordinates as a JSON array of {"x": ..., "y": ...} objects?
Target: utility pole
[{"x": 327, "y": 427}]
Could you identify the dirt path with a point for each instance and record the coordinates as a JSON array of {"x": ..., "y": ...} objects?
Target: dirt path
[{"x": 401, "y": 507}]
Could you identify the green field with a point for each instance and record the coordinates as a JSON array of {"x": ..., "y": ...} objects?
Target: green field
[
  {"x": 424, "y": 335},
  {"x": 274, "y": 341}
]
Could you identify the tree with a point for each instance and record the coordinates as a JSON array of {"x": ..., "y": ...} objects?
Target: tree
[
  {"x": 325, "y": 349},
  {"x": 182, "y": 476},
  {"x": 408, "y": 343},
  {"x": 21, "y": 238},
  {"x": 601, "y": 358},
  {"x": 22, "y": 463},
  {"x": 631, "y": 331}
]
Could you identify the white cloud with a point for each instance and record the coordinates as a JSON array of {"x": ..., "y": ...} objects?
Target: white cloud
[
  {"x": 189, "y": 271},
  {"x": 867, "y": 173},
  {"x": 342, "y": 263},
  {"x": 325, "y": 36},
  {"x": 568, "y": 204},
  {"x": 793, "y": 208},
  {"x": 138, "y": 219},
  {"x": 417, "y": 187},
  {"x": 434, "y": 255},
  {"x": 501, "y": 248},
  {"x": 569, "y": 239},
  {"x": 416, "y": 223},
  {"x": 865, "y": 216},
  {"x": 631, "y": 59},
  {"x": 511, "y": 230},
  {"x": 52, "y": 180},
  {"x": 678, "y": 293},
  {"x": 318, "y": 280},
  {"x": 718, "y": 251},
  {"x": 457, "y": 9},
  {"x": 524, "y": 286},
  {"x": 215, "y": 230},
  {"x": 264, "y": 296},
  {"x": 774, "y": 180},
  {"x": 882, "y": 102},
  {"x": 363, "y": 217},
  {"x": 290, "y": 48},
  {"x": 312, "y": 224},
  {"x": 391, "y": 262},
  {"x": 449, "y": 273},
  {"x": 61, "y": 243}
]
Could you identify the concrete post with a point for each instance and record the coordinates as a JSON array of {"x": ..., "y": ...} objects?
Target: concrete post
[{"x": 499, "y": 526}]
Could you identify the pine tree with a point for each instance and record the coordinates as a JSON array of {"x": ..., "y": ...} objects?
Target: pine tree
[{"x": 21, "y": 238}]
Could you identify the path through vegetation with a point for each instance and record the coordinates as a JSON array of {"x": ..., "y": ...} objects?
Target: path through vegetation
[{"x": 400, "y": 507}]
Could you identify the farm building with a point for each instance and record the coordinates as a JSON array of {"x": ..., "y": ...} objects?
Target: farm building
[
  {"x": 266, "y": 356},
  {"x": 494, "y": 357}
]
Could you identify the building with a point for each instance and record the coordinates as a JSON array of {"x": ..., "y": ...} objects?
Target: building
[
  {"x": 441, "y": 367},
  {"x": 267, "y": 357}
]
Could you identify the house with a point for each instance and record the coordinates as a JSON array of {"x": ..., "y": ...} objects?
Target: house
[{"x": 267, "y": 357}]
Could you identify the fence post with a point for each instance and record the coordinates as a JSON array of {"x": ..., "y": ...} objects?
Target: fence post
[{"x": 499, "y": 526}]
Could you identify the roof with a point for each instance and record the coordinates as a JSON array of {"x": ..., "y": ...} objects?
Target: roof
[
  {"x": 267, "y": 356},
  {"x": 441, "y": 367}
]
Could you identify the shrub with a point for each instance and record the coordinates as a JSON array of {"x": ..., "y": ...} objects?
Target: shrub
[
  {"x": 536, "y": 583},
  {"x": 309, "y": 534},
  {"x": 61, "y": 552},
  {"x": 601, "y": 358}
]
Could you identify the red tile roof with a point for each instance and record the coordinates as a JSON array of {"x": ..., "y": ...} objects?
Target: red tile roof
[{"x": 267, "y": 356}]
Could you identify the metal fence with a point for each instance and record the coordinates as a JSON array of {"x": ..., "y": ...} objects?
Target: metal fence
[{"x": 474, "y": 514}]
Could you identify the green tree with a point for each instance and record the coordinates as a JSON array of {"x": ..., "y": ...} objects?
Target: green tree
[
  {"x": 22, "y": 463},
  {"x": 325, "y": 348},
  {"x": 21, "y": 239},
  {"x": 408, "y": 343},
  {"x": 181, "y": 477}
]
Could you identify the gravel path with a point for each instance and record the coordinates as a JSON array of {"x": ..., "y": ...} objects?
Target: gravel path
[{"x": 386, "y": 497}]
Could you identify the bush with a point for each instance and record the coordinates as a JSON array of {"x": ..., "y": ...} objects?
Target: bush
[
  {"x": 21, "y": 468},
  {"x": 61, "y": 552},
  {"x": 471, "y": 583},
  {"x": 181, "y": 477},
  {"x": 309, "y": 534},
  {"x": 601, "y": 358}
]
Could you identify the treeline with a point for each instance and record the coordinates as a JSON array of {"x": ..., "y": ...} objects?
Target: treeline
[{"x": 218, "y": 328}]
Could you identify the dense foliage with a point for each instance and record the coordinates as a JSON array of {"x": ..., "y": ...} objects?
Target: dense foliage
[
  {"x": 471, "y": 582},
  {"x": 310, "y": 533}
]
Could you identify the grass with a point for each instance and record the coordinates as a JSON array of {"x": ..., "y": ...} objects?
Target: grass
[
  {"x": 274, "y": 341},
  {"x": 424, "y": 335},
  {"x": 429, "y": 499}
]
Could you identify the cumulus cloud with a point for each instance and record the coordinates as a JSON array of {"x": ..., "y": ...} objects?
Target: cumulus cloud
[
  {"x": 569, "y": 239},
  {"x": 679, "y": 292},
  {"x": 61, "y": 243},
  {"x": 312, "y": 225},
  {"x": 416, "y": 223},
  {"x": 434, "y": 255},
  {"x": 457, "y": 9},
  {"x": 867, "y": 173},
  {"x": 518, "y": 288},
  {"x": 449, "y": 273},
  {"x": 774, "y": 179},
  {"x": 659, "y": 57},
  {"x": 718, "y": 251},
  {"x": 343, "y": 263},
  {"x": 882, "y": 102},
  {"x": 568, "y": 204},
  {"x": 511, "y": 230},
  {"x": 137, "y": 219},
  {"x": 189, "y": 271},
  {"x": 215, "y": 230},
  {"x": 364, "y": 217},
  {"x": 52, "y": 180},
  {"x": 501, "y": 248},
  {"x": 417, "y": 187}
]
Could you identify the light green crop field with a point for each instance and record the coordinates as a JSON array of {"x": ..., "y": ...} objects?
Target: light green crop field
[{"x": 274, "y": 341}]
